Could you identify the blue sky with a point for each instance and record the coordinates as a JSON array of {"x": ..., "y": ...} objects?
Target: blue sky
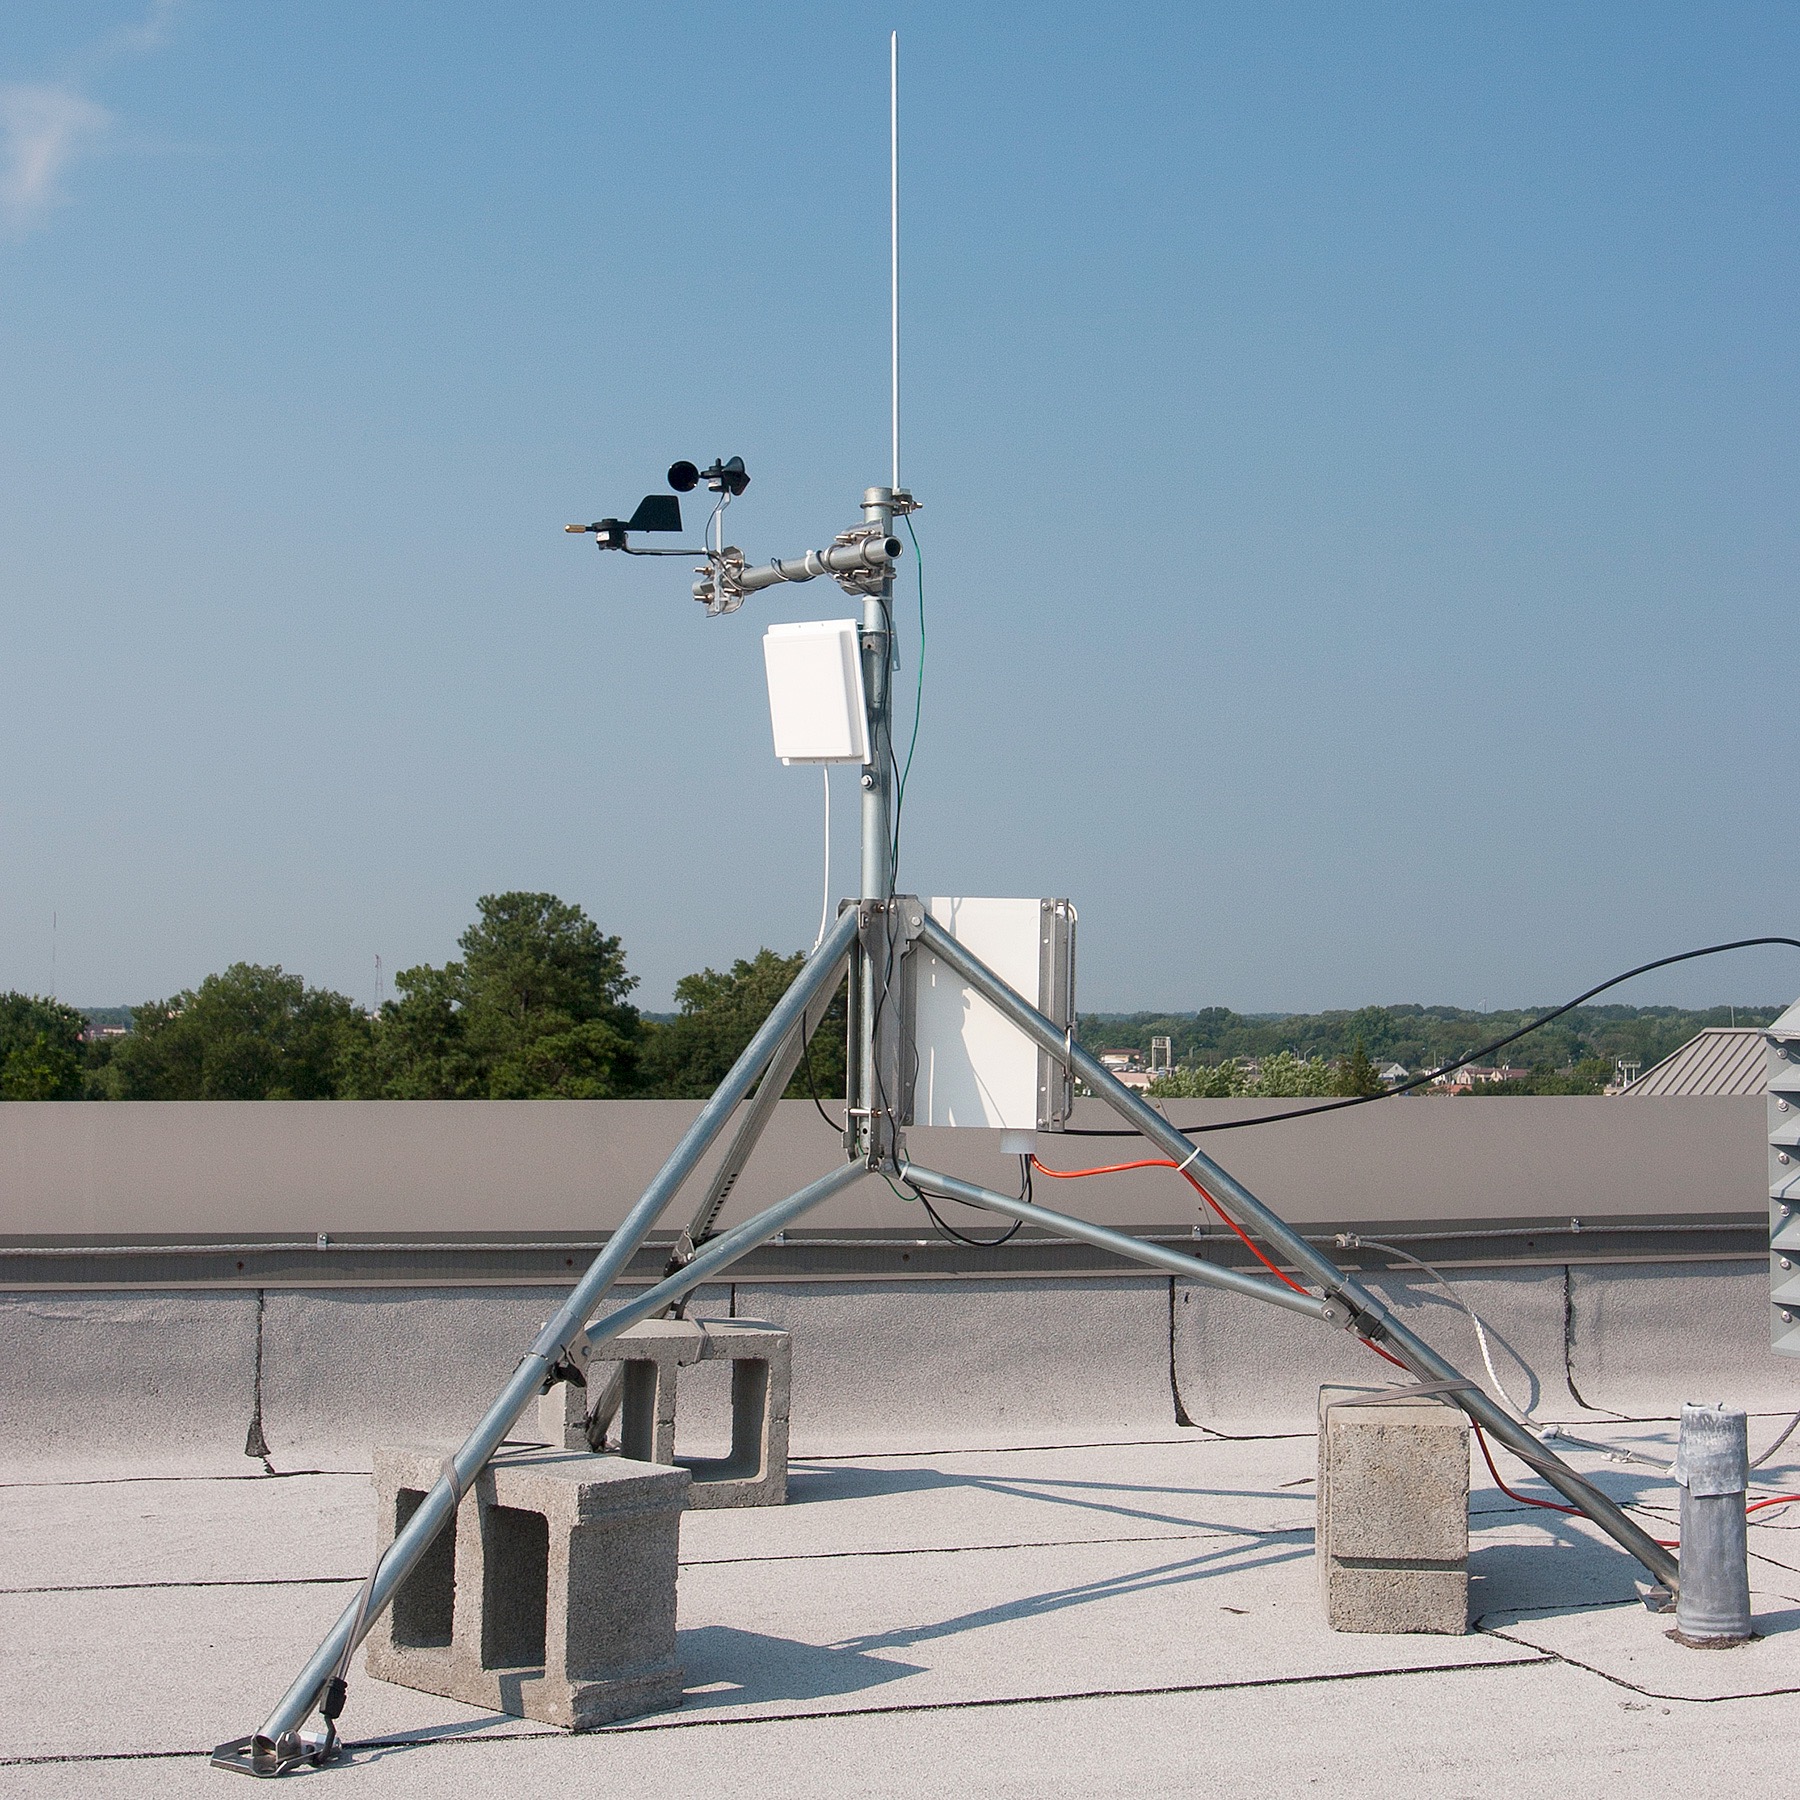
[{"x": 1358, "y": 447}]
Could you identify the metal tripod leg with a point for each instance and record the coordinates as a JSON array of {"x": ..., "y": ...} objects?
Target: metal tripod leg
[
  {"x": 278, "y": 1744},
  {"x": 1158, "y": 1256},
  {"x": 721, "y": 1252},
  {"x": 1364, "y": 1314},
  {"x": 603, "y": 1407}
]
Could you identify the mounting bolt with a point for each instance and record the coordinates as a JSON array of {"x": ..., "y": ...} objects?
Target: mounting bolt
[
  {"x": 1781, "y": 1106},
  {"x": 868, "y": 780},
  {"x": 1782, "y": 1156},
  {"x": 1785, "y": 1263},
  {"x": 1787, "y": 1318}
]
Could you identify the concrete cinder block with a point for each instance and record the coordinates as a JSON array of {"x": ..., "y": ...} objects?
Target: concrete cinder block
[
  {"x": 1392, "y": 1541},
  {"x": 649, "y": 1358},
  {"x": 554, "y": 1596}
]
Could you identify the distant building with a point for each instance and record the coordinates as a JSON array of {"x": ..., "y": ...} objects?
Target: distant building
[
  {"x": 1121, "y": 1061},
  {"x": 1392, "y": 1074},
  {"x": 1722, "y": 1060},
  {"x": 1473, "y": 1075}
]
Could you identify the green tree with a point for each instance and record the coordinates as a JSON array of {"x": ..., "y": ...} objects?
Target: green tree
[
  {"x": 1356, "y": 1075},
  {"x": 536, "y": 1009},
  {"x": 1285, "y": 1075},
  {"x": 1201, "y": 1081},
  {"x": 418, "y": 1049},
  {"x": 720, "y": 1012},
  {"x": 41, "y": 1052},
  {"x": 1281, "y": 1076},
  {"x": 252, "y": 1033},
  {"x": 1592, "y": 1075}
]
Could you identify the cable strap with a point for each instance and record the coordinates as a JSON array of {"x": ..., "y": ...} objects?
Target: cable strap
[{"x": 1424, "y": 1390}]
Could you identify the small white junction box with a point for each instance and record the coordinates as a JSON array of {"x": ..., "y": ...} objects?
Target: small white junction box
[
  {"x": 816, "y": 703},
  {"x": 975, "y": 1067}
]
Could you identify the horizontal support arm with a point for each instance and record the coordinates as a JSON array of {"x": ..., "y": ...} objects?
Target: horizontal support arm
[
  {"x": 1120, "y": 1243},
  {"x": 873, "y": 555}
]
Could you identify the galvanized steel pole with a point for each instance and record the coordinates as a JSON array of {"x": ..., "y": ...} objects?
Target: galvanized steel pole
[{"x": 877, "y": 824}]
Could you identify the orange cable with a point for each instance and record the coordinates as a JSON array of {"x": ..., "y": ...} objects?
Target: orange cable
[
  {"x": 1156, "y": 1162},
  {"x": 1168, "y": 1162}
]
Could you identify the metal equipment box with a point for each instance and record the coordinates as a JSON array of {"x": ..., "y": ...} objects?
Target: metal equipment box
[{"x": 971, "y": 1065}]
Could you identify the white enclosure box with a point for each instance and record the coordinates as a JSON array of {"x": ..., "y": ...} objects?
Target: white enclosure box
[
  {"x": 816, "y": 703},
  {"x": 974, "y": 1067}
]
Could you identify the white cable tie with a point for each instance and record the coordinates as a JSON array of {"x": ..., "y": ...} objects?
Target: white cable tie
[{"x": 1190, "y": 1157}]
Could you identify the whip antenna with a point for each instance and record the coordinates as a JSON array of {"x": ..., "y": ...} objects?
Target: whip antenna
[{"x": 894, "y": 241}]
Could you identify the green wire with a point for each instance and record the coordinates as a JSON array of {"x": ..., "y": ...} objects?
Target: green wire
[{"x": 918, "y": 703}]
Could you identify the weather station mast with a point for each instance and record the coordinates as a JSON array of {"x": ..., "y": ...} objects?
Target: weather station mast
[{"x": 962, "y": 1014}]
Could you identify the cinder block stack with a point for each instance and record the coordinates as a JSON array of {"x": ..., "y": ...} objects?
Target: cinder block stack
[
  {"x": 1393, "y": 1530},
  {"x": 554, "y": 1596},
  {"x": 650, "y": 1356}
]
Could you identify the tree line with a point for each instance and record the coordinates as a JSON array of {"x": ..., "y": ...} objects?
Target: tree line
[
  {"x": 1577, "y": 1054},
  {"x": 537, "y": 1007}
]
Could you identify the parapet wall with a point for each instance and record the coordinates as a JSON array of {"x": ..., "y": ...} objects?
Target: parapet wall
[
  {"x": 185, "y": 1380},
  {"x": 148, "y": 1169},
  {"x": 162, "y": 1303}
]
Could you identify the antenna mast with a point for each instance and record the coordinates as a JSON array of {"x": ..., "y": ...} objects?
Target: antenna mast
[{"x": 894, "y": 243}]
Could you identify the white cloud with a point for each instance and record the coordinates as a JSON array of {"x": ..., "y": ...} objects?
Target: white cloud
[
  {"x": 47, "y": 127},
  {"x": 43, "y": 130}
]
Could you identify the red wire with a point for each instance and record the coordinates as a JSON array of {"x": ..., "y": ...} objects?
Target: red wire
[
  {"x": 1487, "y": 1456},
  {"x": 1168, "y": 1162},
  {"x": 1158, "y": 1162},
  {"x": 1550, "y": 1505}
]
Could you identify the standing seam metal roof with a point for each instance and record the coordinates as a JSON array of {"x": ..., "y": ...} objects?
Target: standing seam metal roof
[{"x": 1722, "y": 1060}]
